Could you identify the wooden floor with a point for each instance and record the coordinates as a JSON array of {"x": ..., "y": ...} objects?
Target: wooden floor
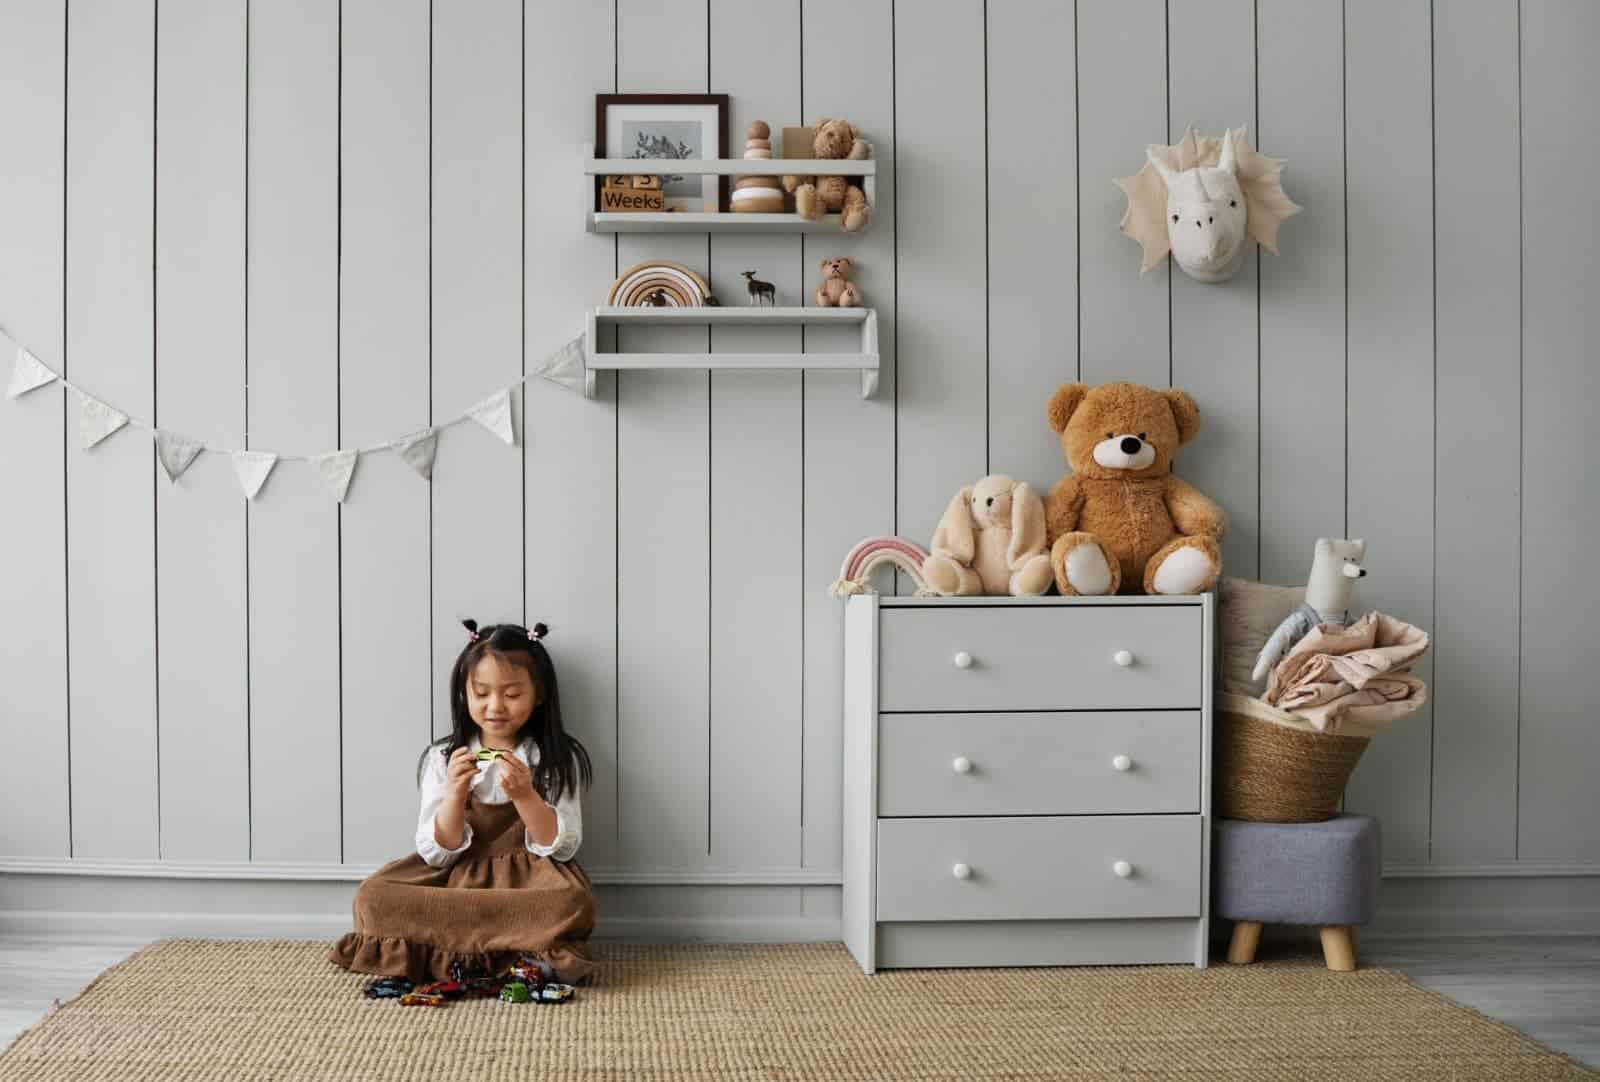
[{"x": 1547, "y": 987}]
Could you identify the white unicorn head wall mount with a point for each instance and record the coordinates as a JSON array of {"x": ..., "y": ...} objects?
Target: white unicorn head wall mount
[{"x": 1203, "y": 199}]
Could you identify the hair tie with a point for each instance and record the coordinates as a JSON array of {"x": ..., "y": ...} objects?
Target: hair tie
[
  {"x": 472, "y": 629},
  {"x": 537, "y": 632}
]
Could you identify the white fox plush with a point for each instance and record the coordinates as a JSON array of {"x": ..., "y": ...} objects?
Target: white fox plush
[{"x": 1334, "y": 569}]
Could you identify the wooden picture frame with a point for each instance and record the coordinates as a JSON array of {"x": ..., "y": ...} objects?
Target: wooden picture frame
[{"x": 624, "y": 123}]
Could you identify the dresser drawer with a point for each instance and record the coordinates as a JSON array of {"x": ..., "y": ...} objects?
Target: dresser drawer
[
  {"x": 1039, "y": 868},
  {"x": 1049, "y": 657},
  {"x": 1078, "y": 763}
]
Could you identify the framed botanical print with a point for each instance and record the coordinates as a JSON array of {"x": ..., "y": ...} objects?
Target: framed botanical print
[{"x": 692, "y": 126}]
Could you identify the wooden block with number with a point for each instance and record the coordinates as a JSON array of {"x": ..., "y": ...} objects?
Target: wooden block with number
[{"x": 619, "y": 195}]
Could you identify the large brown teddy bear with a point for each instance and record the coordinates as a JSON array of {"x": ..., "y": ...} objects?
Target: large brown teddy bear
[
  {"x": 835, "y": 139},
  {"x": 1120, "y": 522}
]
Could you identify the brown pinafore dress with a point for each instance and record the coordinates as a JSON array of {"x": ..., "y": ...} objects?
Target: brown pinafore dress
[{"x": 495, "y": 903}]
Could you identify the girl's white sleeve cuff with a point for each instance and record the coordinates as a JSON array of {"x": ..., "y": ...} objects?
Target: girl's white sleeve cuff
[
  {"x": 433, "y": 794},
  {"x": 569, "y": 832},
  {"x": 429, "y": 849}
]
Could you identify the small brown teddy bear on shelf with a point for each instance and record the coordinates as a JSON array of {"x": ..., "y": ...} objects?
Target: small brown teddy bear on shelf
[
  {"x": 813, "y": 195},
  {"x": 836, "y": 290}
]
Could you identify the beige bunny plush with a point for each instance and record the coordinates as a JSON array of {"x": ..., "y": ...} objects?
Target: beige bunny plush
[{"x": 991, "y": 540}]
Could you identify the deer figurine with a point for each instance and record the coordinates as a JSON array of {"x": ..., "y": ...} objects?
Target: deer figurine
[{"x": 759, "y": 290}]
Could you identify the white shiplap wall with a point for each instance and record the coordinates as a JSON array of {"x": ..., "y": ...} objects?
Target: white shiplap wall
[{"x": 312, "y": 222}]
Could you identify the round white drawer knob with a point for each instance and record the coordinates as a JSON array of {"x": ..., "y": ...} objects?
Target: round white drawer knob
[
  {"x": 1123, "y": 658},
  {"x": 1121, "y": 763},
  {"x": 961, "y": 765},
  {"x": 962, "y": 871},
  {"x": 963, "y": 660},
  {"x": 1123, "y": 869}
]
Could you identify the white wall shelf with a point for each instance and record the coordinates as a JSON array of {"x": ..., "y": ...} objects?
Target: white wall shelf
[
  {"x": 866, "y": 361},
  {"x": 699, "y": 222}
]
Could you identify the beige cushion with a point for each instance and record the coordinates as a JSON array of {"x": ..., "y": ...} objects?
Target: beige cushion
[{"x": 1249, "y": 613}]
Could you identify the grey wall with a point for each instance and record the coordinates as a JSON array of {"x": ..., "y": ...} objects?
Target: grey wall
[{"x": 301, "y": 223}]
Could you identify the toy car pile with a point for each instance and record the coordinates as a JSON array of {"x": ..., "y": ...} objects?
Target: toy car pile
[{"x": 523, "y": 982}]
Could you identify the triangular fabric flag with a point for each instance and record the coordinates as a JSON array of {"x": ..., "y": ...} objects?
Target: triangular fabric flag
[
  {"x": 176, "y": 452},
  {"x": 252, "y": 468},
  {"x": 567, "y": 366},
  {"x": 418, "y": 450},
  {"x": 494, "y": 413},
  {"x": 29, "y": 375},
  {"x": 337, "y": 468},
  {"x": 96, "y": 420}
]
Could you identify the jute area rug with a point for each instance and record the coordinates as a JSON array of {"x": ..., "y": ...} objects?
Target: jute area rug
[{"x": 187, "y": 1009}]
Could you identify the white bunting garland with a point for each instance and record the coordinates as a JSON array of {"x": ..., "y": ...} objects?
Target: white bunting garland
[
  {"x": 177, "y": 452},
  {"x": 96, "y": 420},
  {"x": 337, "y": 468},
  {"x": 252, "y": 468},
  {"x": 28, "y": 375},
  {"x": 418, "y": 450},
  {"x": 494, "y": 413},
  {"x": 566, "y": 366}
]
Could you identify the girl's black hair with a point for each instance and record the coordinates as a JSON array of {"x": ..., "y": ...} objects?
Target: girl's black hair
[{"x": 563, "y": 762}]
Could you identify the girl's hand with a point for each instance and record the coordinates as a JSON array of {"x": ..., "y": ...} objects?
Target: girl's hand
[
  {"x": 460, "y": 773},
  {"x": 515, "y": 777}
]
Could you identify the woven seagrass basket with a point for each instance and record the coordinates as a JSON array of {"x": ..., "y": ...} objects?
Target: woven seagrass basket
[{"x": 1272, "y": 767}]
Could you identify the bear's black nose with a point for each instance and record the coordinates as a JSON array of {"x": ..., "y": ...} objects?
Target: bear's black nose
[
  {"x": 991, "y": 501},
  {"x": 1131, "y": 445}
]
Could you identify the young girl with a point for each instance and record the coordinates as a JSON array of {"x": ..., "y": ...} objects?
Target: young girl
[{"x": 493, "y": 877}]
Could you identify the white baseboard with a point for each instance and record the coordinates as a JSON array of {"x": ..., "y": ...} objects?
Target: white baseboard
[
  {"x": 294, "y": 902},
  {"x": 240, "y": 870},
  {"x": 34, "y": 924},
  {"x": 721, "y": 908}
]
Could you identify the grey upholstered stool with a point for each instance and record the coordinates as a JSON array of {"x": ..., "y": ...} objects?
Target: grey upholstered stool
[{"x": 1324, "y": 874}]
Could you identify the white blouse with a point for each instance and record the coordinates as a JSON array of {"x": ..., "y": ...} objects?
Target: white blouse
[{"x": 486, "y": 790}]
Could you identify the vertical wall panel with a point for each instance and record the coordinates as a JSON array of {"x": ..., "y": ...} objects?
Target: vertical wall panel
[
  {"x": 663, "y": 510},
  {"x": 1033, "y": 232},
  {"x": 1560, "y": 384},
  {"x": 293, "y": 328},
  {"x": 477, "y": 321},
  {"x": 111, "y": 619},
  {"x": 1390, "y": 407},
  {"x": 33, "y": 641},
  {"x": 1214, "y": 325},
  {"x": 940, "y": 264},
  {"x": 571, "y": 530},
  {"x": 200, "y": 543},
  {"x": 1301, "y": 106},
  {"x": 1122, "y": 96},
  {"x": 383, "y": 380},
  {"x": 1478, "y": 335},
  {"x": 849, "y": 441},
  {"x": 756, "y": 576}
]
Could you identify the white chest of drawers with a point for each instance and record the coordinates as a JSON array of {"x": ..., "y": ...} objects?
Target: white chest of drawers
[{"x": 1027, "y": 781}]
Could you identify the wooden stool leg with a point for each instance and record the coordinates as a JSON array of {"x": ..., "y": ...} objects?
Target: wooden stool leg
[
  {"x": 1242, "y": 947},
  {"x": 1337, "y": 949}
]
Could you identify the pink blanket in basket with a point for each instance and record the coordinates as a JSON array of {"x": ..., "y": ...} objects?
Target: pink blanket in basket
[{"x": 1359, "y": 673}]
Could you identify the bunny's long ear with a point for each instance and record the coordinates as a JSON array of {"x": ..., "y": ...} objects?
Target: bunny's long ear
[
  {"x": 1027, "y": 524},
  {"x": 954, "y": 538}
]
